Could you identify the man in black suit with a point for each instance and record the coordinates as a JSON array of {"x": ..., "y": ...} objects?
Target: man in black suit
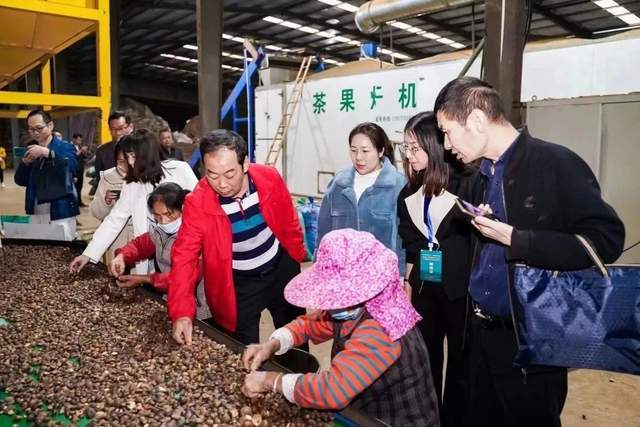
[
  {"x": 81, "y": 153},
  {"x": 169, "y": 150},
  {"x": 119, "y": 125}
]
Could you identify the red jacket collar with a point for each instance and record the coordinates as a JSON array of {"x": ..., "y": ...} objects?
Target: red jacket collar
[{"x": 209, "y": 201}]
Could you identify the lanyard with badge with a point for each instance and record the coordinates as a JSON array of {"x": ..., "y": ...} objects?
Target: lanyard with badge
[{"x": 430, "y": 259}]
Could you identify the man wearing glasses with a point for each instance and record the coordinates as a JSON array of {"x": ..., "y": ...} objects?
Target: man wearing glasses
[
  {"x": 119, "y": 125},
  {"x": 44, "y": 154}
]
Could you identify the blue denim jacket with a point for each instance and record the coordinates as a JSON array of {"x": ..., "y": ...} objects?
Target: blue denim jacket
[
  {"x": 25, "y": 176},
  {"x": 375, "y": 212}
]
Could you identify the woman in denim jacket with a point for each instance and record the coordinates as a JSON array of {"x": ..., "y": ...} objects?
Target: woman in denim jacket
[{"x": 364, "y": 197}]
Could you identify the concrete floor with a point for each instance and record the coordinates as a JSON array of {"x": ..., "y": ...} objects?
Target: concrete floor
[{"x": 595, "y": 398}]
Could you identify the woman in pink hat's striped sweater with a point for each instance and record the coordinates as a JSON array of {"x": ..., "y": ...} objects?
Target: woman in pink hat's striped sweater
[{"x": 380, "y": 363}]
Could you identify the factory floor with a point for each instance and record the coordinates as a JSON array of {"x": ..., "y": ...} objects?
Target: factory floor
[{"x": 595, "y": 398}]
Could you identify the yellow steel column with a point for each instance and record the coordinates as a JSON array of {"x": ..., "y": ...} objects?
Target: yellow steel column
[
  {"x": 45, "y": 79},
  {"x": 103, "y": 54}
]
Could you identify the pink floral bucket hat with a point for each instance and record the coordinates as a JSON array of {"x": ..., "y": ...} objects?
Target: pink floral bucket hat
[{"x": 352, "y": 268}]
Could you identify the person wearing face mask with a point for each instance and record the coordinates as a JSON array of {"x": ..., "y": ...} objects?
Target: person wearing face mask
[
  {"x": 242, "y": 220},
  {"x": 363, "y": 197},
  {"x": 379, "y": 361},
  {"x": 145, "y": 171},
  {"x": 108, "y": 192},
  {"x": 165, "y": 204},
  {"x": 436, "y": 235}
]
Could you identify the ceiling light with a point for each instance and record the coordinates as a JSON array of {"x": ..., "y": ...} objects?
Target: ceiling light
[
  {"x": 630, "y": 19},
  {"x": 348, "y": 7},
  {"x": 332, "y": 21},
  {"x": 190, "y": 46},
  {"x": 309, "y": 30},
  {"x": 326, "y": 34},
  {"x": 290, "y": 24},
  {"x": 401, "y": 25},
  {"x": 445, "y": 40},
  {"x": 165, "y": 67},
  {"x": 394, "y": 54},
  {"x": 330, "y": 2},
  {"x": 457, "y": 45},
  {"x": 272, "y": 19},
  {"x": 606, "y": 3},
  {"x": 272, "y": 47},
  {"x": 230, "y": 67},
  {"x": 431, "y": 36},
  {"x": 178, "y": 57},
  {"x": 619, "y": 10},
  {"x": 234, "y": 38},
  {"x": 341, "y": 39},
  {"x": 332, "y": 61}
]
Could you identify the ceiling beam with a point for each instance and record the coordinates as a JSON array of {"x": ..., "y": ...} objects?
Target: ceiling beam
[
  {"x": 440, "y": 24},
  {"x": 357, "y": 35},
  {"x": 244, "y": 32},
  {"x": 560, "y": 21}
]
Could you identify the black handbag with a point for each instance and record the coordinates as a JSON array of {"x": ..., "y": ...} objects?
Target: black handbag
[{"x": 50, "y": 176}]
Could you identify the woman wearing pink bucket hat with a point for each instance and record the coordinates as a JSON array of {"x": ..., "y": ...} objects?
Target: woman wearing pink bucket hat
[{"x": 380, "y": 363}]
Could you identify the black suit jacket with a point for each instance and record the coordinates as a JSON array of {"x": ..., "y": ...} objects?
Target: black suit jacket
[
  {"x": 105, "y": 157},
  {"x": 454, "y": 234},
  {"x": 550, "y": 195}
]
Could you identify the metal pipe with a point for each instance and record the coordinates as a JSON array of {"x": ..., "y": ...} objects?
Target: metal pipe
[
  {"x": 375, "y": 12},
  {"x": 473, "y": 57}
]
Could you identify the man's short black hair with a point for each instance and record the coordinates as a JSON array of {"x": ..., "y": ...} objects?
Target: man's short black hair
[
  {"x": 463, "y": 95},
  {"x": 229, "y": 139},
  {"x": 76, "y": 135},
  {"x": 117, "y": 115},
  {"x": 38, "y": 112}
]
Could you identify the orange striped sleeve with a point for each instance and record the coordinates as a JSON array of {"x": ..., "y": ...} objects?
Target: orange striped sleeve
[
  {"x": 368, "y": 353},
  {"x": 316, "y": 327}
]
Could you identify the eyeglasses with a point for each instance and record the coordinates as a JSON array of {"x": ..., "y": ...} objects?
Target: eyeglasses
[
  {"x": 37, "y": 129},
  {"x": 119, "y": 129},
  {"x": 406, "y": 148}
]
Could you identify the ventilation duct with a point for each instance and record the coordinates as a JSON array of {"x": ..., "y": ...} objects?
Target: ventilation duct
[{"x": 373, "y": 13}]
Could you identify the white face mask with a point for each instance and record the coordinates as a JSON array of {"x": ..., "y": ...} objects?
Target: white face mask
[{"x": 171, "y": 227}]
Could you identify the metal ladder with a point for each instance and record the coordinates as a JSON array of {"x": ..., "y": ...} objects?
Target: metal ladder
[{"x": 280, "y": 138}]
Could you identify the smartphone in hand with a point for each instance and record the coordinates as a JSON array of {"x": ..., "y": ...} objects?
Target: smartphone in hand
[
  {"x": 115, "y": 193},
  {"x": 473, "y": 211}
]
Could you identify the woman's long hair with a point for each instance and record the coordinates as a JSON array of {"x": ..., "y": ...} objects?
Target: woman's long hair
[
  {"x": 148, "y": 165},
  {"x": 435, "y": 177}
]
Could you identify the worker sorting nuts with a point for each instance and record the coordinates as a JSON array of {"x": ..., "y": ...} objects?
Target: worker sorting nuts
[{"x": 379, "y": 360}]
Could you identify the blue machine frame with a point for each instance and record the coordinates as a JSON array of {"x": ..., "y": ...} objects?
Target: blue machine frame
[{"x": 231, "y": 105}]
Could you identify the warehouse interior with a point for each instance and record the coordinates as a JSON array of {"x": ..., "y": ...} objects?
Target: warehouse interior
[{"x": 292, "y": 78}]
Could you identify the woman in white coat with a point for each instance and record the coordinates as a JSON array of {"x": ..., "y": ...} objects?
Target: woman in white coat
[
  {"x": 107, "y": 194},
  {"x": 145, "y": 171}
]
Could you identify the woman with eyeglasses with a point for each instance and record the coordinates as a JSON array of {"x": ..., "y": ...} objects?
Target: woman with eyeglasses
[
  {"x": 145, "y": 171},
  {"x": 363, "y": 197},
  {"x": 436, "y": 236}
]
